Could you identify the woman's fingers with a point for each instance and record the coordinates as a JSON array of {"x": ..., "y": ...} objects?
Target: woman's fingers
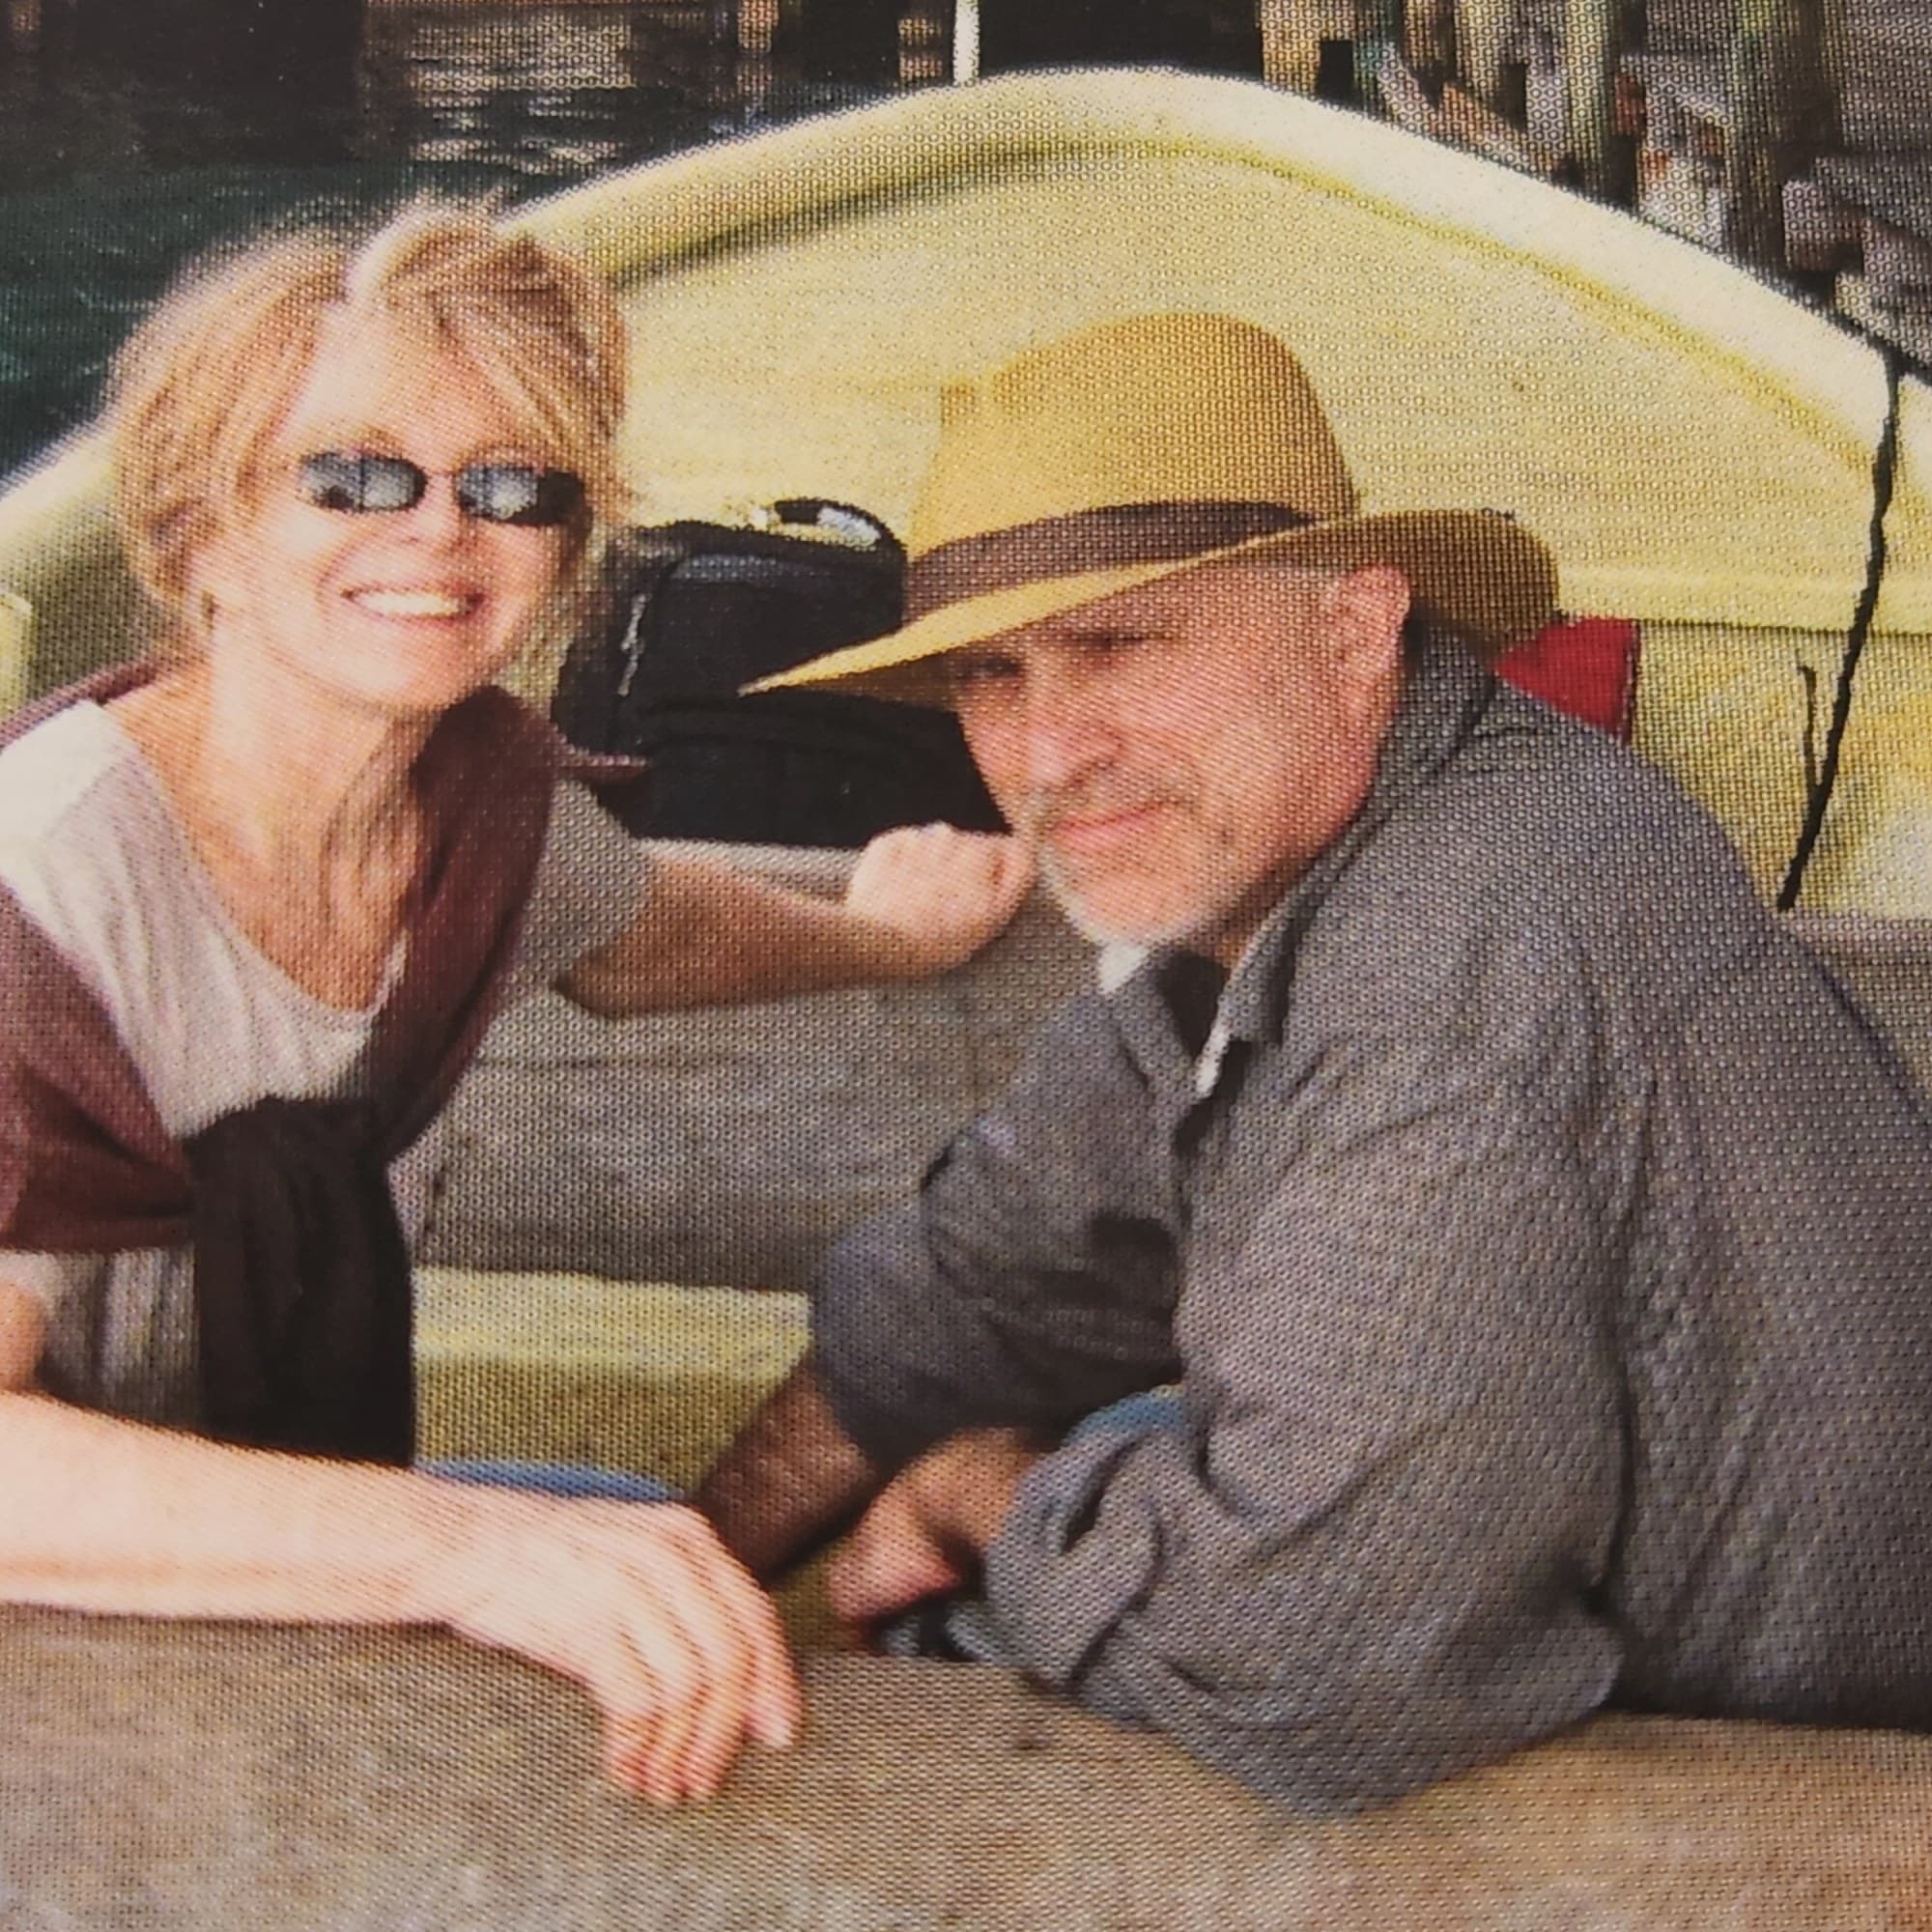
[
  {"x": 679, "y": 1647},
  {"x": 731, "y": 1594},
  {"x": 721, "y": 1633},
  {"x": 1019, "y": 865},
  {"x": 726, "y": 1663}
]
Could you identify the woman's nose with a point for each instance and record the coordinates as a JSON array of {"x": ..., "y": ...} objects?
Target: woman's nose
[{"x": 437, "y": 515}]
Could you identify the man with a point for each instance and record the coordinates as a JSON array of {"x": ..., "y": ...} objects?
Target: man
[{"x": 1539, "y": 1237}]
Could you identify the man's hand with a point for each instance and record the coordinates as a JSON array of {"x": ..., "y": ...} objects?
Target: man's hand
[
  {"x": 890, "y": 1561},
  {"x": 927, "y": 1531},
  {"x": 642, "y": 1606},
  {"x": 937, "y": 894}
]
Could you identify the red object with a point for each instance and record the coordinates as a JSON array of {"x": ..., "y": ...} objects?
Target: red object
[{"x": 1586, "y": 667}]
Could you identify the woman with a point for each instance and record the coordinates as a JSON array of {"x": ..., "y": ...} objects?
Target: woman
[{"x": 261, "y": 895}]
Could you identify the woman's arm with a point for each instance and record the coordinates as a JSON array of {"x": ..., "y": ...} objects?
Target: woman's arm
[
  {"x": 920, "y": 900},
  {"x": 641, "y": 1605}
]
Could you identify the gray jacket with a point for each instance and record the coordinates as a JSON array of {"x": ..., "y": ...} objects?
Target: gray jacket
[{"x": 1548, "y": 1265}]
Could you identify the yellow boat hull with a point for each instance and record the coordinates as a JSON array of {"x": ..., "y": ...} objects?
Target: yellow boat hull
[{"x": 1696, "y": 448}]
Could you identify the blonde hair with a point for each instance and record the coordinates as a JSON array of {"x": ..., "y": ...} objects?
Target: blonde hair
[{"x": 196, "y": 393}]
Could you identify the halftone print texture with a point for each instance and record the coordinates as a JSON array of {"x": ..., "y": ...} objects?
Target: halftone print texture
[{"x": 1422, "y": 1392}]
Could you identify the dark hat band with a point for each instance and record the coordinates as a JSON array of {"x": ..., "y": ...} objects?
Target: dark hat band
[{"x": 1115, "y": 536}]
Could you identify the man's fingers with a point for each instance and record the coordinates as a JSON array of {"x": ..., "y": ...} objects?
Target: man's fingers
[
  {"x": 886, "y": 1564},
  {"x": 848, "y": 1593}
]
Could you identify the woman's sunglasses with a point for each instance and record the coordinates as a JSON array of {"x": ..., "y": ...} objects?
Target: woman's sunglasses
[{"x": 493, "y": 492}]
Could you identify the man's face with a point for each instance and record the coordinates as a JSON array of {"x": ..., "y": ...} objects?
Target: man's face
[{"x": 1183, "y": 752}]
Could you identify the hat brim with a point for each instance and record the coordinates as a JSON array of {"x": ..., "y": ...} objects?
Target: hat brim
[{"x": 1478, "y": 573}]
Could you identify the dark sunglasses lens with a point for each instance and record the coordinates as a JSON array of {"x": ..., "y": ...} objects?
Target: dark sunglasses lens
[
  {"x": 339, "y": 480},
  {"x": 513, "y": 492}
]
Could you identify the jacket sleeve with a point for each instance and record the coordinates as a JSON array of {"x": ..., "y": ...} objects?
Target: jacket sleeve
[
  {"x": 1032, "y": 1280},
  {"x": 1368, "y": 1559}
]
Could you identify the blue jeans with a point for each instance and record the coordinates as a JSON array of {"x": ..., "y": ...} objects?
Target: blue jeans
[{"x": 551, "y": 1479}]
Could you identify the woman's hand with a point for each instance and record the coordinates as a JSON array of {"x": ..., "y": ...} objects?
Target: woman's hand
[
  {"x": 639, "y": 1602},
  {"x": 643, "y": 1607},
  {"x": 939, "y": 894}
]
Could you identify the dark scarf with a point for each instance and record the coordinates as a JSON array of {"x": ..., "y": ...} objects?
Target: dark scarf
[{"x": 302, "y": 1274}]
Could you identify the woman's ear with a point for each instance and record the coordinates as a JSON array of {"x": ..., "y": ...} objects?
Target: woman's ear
[{"x": 214, "y": 581}]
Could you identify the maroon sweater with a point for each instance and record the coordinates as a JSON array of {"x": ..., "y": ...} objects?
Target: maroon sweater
[{"x": 302, "y": 1276}]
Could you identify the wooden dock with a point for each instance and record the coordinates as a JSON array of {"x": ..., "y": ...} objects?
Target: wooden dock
[{"x": 1792, "y": 134}]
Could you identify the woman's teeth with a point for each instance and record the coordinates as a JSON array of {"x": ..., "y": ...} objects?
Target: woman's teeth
[{"x": 413, "y": 602}]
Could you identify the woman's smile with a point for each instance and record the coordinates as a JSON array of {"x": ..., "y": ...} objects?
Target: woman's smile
[
  {"x": 408, "y": 607},
  {"x": 401, "y": 602}
]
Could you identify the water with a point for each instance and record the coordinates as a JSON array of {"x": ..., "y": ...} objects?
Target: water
[{"x": 110, "y": 177}]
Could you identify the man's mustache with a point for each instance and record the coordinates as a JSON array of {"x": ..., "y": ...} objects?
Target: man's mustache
[{"x": 1040, "y": 813}]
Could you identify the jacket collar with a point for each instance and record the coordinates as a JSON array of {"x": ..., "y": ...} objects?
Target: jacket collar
[{"x": 1444, "y": 696}]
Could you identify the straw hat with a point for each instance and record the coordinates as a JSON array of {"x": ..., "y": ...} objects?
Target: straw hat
[{"x": 1141, "y": 448}]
